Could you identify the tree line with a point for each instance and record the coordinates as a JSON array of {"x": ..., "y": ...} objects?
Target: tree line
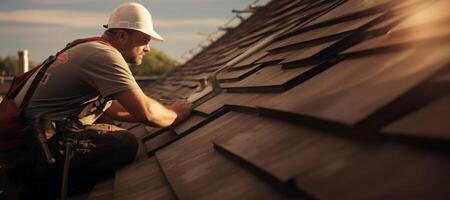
[
  {"x": 156, "y": 63},
  {"x": 9, "y": 65}
]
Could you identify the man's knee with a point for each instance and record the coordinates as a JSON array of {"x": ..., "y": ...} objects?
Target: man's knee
[
  {"x": 123, "y": 143},
  {"x": 110, "y": 151},
  {"x": 127, "y": 146}
]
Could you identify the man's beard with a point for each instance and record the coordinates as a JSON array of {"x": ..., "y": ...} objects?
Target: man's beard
[{"x": 135, "y": 60}]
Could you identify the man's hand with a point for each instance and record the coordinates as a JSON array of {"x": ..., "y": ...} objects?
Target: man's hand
[{"x": 182, "y": 108}]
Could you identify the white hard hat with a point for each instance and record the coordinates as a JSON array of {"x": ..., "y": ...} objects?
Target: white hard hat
[{"x": 133, "y": 16}]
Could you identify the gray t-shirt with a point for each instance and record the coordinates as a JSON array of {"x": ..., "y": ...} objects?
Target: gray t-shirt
[{"x": 79, "y": 80}]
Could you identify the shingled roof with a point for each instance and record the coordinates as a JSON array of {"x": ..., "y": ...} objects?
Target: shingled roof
[
  {"x": 307, "y": 99},
  {"x": 4, "y": 87}
]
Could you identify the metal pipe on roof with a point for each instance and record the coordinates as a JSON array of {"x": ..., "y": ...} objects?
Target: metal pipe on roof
[{"x": 23, "y": 61}]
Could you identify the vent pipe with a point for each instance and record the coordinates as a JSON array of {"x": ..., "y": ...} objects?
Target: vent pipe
[{"x": 23, "y": 61}]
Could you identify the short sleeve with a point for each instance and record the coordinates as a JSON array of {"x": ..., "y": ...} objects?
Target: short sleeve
[{"x": 108, "y": 72}]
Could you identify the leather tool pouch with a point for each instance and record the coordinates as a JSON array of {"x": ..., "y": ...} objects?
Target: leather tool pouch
[{"x": 41, "y": 130}]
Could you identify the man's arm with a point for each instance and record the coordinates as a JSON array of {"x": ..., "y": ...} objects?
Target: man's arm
[
  {"x": 134, "y": 105},
  {"x": 117, "y": 112}
]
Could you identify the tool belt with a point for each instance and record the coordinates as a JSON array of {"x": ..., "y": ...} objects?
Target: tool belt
[
  {"x": 32, "y": 157},
  {"x": 41, "y": 130},
  {"x": 44, "y": 129}
]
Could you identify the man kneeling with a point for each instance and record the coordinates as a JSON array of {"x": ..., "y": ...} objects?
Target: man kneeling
[{"x": 92, "y": 79}]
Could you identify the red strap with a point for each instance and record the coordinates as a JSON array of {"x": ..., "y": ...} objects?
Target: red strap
[
  {"x": 83, "y": 40},
  {"x": 18, "y": 83}
]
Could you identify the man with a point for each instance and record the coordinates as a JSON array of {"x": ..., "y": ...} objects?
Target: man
[{"x": 94, "y": 77}]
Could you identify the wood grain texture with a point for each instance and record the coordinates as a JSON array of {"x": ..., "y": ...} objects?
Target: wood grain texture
[
  {"x": 192, "y": 121},
  {"x": 431, "y": 121},
  {"x": 359, "y": 169},
  {"x": 235, "y": 75},
  {"x": 339, "y": 95},
  {"x": 411, "y": 29},
  {"x": 268, "y": 76},
  {"x": 193, "y": 168},
  {"x": 102, "y": 191},
  {"x": 141, "y": 180},
  {"x": 153, "y": 144},
  {"x": 382, "y": 171}
]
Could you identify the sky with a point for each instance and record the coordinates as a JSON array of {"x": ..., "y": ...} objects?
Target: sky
[{"x": 45, "y": 26}]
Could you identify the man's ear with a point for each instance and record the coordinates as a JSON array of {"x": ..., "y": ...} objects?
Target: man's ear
[{"x": 122, "y": 36}]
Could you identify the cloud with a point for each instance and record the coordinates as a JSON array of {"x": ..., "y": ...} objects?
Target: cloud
[
  {"x": 82, "y": 19},
  {"x": 64, "y": 2},
  {"x": 55, "y": 17},
  {"x": 27, "y": 30},
  {"x": 180, "y": 23},
  {"x": 181, "y": 36}
]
